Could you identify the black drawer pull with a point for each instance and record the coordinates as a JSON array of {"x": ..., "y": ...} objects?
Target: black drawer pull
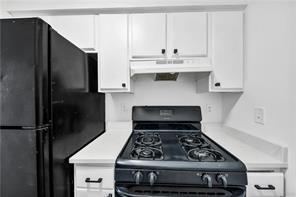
[
  {"x": 163, "y": 51},
  {"x": 218, "y": 84},
  {"x": 269, "y": 187},
  {"x": 87, "y": 180}
]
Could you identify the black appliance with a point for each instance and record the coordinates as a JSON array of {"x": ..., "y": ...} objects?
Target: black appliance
[
  {"x": 49, "y": 108},
  {"x": 167, "y": 154}
]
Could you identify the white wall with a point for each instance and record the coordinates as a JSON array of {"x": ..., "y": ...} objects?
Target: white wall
[
  {"x": 268, "y": 79},
  {"x": 149, "y": 92},
  {"x": 292, "y": 142},
  {"x": 3, "y": 10}
]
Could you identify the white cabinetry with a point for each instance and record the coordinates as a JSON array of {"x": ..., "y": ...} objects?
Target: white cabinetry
[
  {"x": 265, "y": 184},
  {"x": 113, "y": 69},
  {"x": 93, "y": 193},
  {"x": 94, "y": 180},
  {"x": 169, "y": 36},
  {"x": 148, "y": 35},
  {"x": 187, "y": 34},
  {"x": 227, "y": 58},
  {"x": 79, "y": 29}
]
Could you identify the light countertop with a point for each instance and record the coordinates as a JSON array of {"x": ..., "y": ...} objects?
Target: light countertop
[
  {"x": 105, "y": 149},
  {"x": 255, "y": 153}
]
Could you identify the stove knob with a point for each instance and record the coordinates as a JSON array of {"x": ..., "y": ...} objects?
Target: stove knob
[
  {"x": 208, "y": 179},
  {"x": 152, "y": 178},
  {"x": 222, "y": 179},
  {"x": 138, "y": 176}
]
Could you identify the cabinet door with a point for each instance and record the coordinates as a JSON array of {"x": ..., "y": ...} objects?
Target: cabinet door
[
  {"x": 79, "y": 29},
  {"x": 105, "y": 173},
  {"x": 93, "y": 193},
  {"x": 188, "y": 34},
  {"x": 265, "y": 184},
  {"x": 227, "y": 60},
  {"x": 148, "y": 35},
  {"x": 113, "y": 52}
]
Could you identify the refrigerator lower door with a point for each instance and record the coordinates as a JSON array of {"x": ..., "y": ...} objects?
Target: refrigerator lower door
[{"x": 22, "y": 163}]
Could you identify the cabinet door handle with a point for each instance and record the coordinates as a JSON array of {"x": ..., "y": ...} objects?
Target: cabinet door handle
[
  {"x": 109, "y": 195},
  {"x": 163, "y": 51},
  {"x": 218, "y": 84},
  {"x": 175, "y": 51},
  {"x": 269, "y": 187},
  {"x": 123, "y": 85},
  {"x": 87, "y": 180}
]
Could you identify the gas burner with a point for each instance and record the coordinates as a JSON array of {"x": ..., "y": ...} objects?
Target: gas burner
[
  {"x": 207, "y": 155},
  {"x": 148, "y": 139},
  {"x": 149, "y": 153},
  {"x": 192, "y": 141}
]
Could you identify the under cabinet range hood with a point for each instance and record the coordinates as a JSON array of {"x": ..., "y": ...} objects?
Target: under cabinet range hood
[
  {"x": 170, "y": 66},
  {"x": 170, "y": 42}
]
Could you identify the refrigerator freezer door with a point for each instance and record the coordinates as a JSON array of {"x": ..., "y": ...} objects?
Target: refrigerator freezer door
[
  {"x": 68, "y": 65},
  {"x": 22, "y": 166},
  {"x": 24, "y": 73}
]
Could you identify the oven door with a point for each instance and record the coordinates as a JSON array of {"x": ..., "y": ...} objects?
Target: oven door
[{"x": 180, "y": 191}]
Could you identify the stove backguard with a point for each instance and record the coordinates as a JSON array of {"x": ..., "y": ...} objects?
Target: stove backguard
[{"x": 166, "y": 114}]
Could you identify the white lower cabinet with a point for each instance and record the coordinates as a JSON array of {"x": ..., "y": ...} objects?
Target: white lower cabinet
[
  {"x": 93, "y": 193},
  {"x": 265, "y": 184},
  {"x": 94, "y": 180}
]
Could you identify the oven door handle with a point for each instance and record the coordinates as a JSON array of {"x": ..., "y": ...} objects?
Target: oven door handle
[{"x": 128, "y": 194}]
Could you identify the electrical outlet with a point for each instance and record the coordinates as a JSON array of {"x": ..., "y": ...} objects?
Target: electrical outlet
[
  {"x": 209, "y": 108},
  {"x": 259, "y": 114}
]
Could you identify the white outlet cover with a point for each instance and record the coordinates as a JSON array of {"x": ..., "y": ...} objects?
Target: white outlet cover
[
  {"x": 259, "y": 115},
  {"x": 209, "y": 108}
]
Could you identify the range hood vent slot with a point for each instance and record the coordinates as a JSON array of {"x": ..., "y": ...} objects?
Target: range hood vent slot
[{"x": 166, "y": 76}]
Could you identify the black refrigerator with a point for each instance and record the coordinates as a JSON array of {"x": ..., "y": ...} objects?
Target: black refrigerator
[{"x": 49, "y": 108}]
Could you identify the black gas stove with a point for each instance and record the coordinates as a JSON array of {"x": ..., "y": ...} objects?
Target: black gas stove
[{"x": 168, "y": 155}]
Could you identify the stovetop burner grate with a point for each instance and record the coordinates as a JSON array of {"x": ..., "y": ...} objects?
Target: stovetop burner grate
[
  {"x": 148, "y": 139},
  {"x": 197, "y": 149},
  {"x": 148, "y": 153},
  {"x": 197, "y": 154},
  {"x": 147, "y": 146}
]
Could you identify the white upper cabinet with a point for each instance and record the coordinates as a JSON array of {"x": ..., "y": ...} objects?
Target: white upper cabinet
[
  {"x": 187, "y": 34},
  {"x": 227, "y": 58},
  {"x": 173, "y": 35},
  {"x": 79, "y": 29},
  {"x": 113, "y": 69},
  {"x": 148, "y": 35}
]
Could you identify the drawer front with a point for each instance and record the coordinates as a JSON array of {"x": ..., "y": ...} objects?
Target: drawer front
[
  {"x": 93, "y": 193},
  {"x": 265, "y": 184},
  {"x": 94, "y": 173}
]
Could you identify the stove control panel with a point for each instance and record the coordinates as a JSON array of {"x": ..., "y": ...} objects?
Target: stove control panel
[{"x": 154, "y": 177}]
